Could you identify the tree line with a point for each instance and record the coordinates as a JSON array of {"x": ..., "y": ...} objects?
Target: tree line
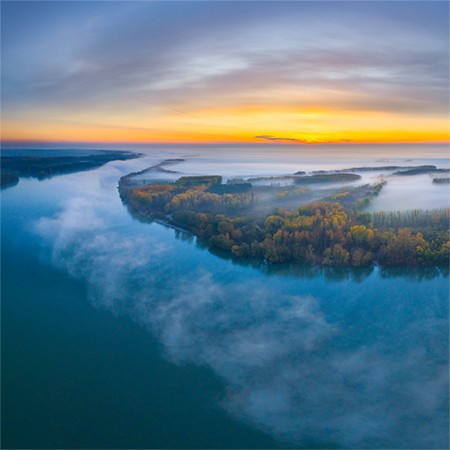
[{"x": 320, "y": 233}]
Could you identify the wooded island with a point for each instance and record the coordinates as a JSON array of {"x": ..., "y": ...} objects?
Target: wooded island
[{"x": 260, "y": 222}]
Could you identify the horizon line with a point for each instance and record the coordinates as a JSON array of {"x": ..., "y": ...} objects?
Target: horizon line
[{"x": 16, "y": 143}]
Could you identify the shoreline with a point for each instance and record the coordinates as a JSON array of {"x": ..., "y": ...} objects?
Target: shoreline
[
  {"x": 330, "y": 231},
  {"x": 48, "y": 166}
]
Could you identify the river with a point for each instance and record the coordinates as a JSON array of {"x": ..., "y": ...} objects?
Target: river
[{"x": 122, "y": 334}]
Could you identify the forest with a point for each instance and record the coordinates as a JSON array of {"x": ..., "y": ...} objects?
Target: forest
[
  {"x": 8, "y": 180},
  {"x": 332, "y": 231},
  {"x": 41, "y": 167}
]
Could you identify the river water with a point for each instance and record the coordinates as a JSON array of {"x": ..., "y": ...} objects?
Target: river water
[{"x": 122, "y": 334}]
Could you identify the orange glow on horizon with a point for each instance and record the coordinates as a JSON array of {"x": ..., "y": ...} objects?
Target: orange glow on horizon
[{"x": 239, "y": 124}]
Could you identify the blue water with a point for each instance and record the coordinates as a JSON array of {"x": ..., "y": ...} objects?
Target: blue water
[{"x": 121, "y": 334}]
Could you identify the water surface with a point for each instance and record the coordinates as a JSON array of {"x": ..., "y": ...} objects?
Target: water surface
[{"x": 121, "y": 334}]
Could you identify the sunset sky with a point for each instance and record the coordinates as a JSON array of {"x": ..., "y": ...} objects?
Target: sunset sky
[{"x": 221, "y": 72}]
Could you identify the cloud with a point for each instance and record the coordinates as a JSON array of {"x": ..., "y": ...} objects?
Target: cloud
[
  {"x": 285, "y": 139},
  {"x": 145, "y": 58}
]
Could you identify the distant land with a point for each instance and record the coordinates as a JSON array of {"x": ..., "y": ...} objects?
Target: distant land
[{"x": 43, "y": 164}]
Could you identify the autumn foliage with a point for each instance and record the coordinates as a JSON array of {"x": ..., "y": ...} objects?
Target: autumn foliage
[{"x": 324, "y": 232}]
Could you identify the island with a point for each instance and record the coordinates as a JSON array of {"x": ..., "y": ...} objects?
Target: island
[
  {"x": 291, "y": 224},
  {"x": 441, "y": 180}
]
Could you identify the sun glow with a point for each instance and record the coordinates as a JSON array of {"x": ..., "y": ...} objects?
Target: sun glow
[
  {"x": 245, "y": 124},
  {"x": 296, "y": 74}
]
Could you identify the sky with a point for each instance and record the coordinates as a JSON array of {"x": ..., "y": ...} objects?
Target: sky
[{"x": 293, "y": 72}]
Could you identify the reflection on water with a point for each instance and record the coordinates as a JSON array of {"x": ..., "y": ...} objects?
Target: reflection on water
[
  {"x": 355, "y": 274},
  {"x": 337, "y": 358}
]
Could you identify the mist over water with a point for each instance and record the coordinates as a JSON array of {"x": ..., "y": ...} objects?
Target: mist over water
[
  {"x": 400, "y": 193},
  {"x": 251, "y": 160},
  {"x": 416, "y": 192},
  {"x": 351, "y": 361}
]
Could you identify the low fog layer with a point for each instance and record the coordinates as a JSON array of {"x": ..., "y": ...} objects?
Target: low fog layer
[
  {"x": 400, "y": 193},
  {"x": 361, "y": 372}
]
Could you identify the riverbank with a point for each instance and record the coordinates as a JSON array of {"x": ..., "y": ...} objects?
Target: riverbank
[
  {"x": 41, "y": 165},
  {"x": 293, "y": 225}
]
